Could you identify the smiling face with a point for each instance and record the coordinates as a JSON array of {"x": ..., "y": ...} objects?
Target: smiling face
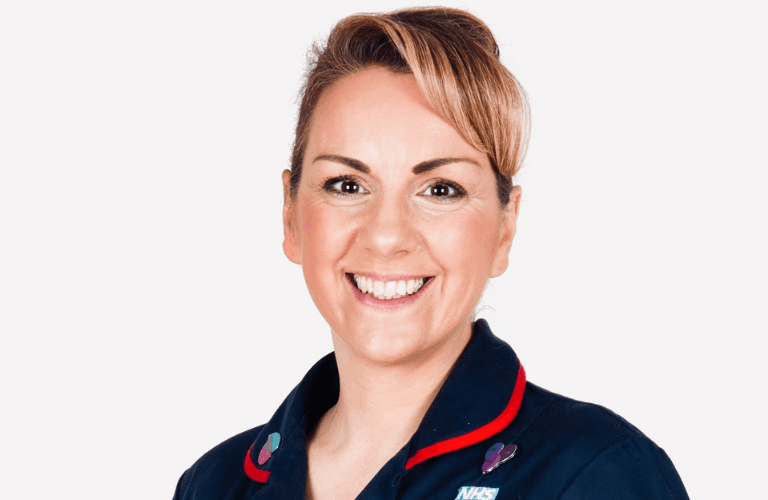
[{"x": 396, "y": 221}]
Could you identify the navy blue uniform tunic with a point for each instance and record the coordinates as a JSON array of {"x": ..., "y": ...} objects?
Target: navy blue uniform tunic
[{"x": 565, "y": 449}]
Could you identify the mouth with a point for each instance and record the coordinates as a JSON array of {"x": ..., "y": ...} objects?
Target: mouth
[{"x": 387, "y": 290}]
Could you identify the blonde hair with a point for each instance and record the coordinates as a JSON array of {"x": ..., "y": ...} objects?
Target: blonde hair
[{"x": 455, "y": 60}]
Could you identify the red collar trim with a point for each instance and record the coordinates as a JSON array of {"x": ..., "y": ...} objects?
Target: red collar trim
[
  {"x": 252, "y": 471},
  {"x": 493, "y": 427}
]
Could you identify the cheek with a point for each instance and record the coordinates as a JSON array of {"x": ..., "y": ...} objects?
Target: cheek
[
  {"x": 465, "y": 242},
  {"x": 325, "y": 236}
]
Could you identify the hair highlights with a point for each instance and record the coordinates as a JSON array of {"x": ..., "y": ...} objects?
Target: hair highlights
[{"x": 455, "y": 61}]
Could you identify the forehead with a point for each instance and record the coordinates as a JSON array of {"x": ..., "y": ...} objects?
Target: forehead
[{"x": 378, "y": 115}]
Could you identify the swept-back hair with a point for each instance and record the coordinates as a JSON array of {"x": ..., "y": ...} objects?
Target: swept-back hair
[{"x": 455, "y": 60}]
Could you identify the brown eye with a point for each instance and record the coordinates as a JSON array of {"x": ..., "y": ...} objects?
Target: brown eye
[
  {"x": 444, "y": 191},
  {"x": 347, "y": 187},
  {"x": 440, "y": 190},
  {"x": 344, "y": 186}
]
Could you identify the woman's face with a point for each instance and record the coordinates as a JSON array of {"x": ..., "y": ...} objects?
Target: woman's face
[{"x": 393, "y": 199}]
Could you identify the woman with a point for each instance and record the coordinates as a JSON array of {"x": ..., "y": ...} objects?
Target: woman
[{"x": 399, "y": 206}]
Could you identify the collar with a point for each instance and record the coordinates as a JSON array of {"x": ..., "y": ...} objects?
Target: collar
[{"x": 480, "y": 397}]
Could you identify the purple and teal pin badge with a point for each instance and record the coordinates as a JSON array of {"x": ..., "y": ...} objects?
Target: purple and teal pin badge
[
  {"x": 497, "y": 455},
  {"x": 273, "y": 441}
]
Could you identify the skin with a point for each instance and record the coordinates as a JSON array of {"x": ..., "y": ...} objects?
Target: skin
[{"x": 445, "y": 223}]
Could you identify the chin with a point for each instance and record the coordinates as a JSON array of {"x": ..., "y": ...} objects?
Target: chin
[
  {"x": 387, "y": 347},
  {"x": 384, "y": 347}
]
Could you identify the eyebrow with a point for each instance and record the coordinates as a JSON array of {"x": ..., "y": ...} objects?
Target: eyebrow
[
  {"x": 350, "y": 162},
  {"x": 421, "y": 168},
  {"x": 428, "y": 165}
]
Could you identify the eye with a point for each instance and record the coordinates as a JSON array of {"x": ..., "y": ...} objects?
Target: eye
[
  {"x": 343, "y": 186},
  {"x": 441, "y": 190},
  {"x": 444, "y": 191}
]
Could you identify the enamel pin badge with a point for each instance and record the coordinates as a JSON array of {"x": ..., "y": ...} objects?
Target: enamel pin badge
[
  {"x": 273, "y": 441},
  {"x": 497, "y": 455}
]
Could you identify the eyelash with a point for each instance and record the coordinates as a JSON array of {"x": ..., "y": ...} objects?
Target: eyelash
[
  {"x": 459, "y": 192},
  {"x": 330, "y": 182}
]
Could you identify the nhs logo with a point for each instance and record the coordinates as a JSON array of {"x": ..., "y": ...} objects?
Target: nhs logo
[{"x": 477, "y": 493}]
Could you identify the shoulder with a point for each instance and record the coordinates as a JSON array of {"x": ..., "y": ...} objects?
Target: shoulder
[
  {"x": 219, "y": 470},
  {"x": 587, "y": 451},
  {"x": 592, "y": 426}
]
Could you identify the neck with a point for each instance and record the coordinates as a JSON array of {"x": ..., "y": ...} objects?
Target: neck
[
  {"x": 385, "y": 402},
  {"x": 380, "y": 407}
]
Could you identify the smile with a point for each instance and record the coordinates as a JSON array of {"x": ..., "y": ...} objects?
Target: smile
[{"x": 387, "y": 290}]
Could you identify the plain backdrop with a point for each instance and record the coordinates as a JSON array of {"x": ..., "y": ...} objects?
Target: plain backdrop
[{"x": 147, "y": 311}]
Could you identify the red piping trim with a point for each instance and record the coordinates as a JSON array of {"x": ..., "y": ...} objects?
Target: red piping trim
[
  {"x": 484, "y": 432},
  {"x": 252, "y": 471}
]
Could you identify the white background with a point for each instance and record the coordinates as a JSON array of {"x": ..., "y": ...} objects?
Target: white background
[{"x": 147, "y": 311}]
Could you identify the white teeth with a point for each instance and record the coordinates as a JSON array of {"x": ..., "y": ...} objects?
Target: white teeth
[{"x": 387, "y": 290}]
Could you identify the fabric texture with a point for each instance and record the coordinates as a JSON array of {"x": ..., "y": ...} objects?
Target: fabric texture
[{"x": 566, "y": 449}]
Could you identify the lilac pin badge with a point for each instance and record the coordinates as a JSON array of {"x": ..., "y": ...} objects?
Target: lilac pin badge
[
  {"x": 497, "y": 455},
  {"x": 273, "y": 441}
]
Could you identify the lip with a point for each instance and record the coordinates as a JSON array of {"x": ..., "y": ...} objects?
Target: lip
[{"x": 371, "y": 301}]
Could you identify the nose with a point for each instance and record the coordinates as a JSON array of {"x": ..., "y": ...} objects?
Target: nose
[{"x": 390, "y": 228}]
